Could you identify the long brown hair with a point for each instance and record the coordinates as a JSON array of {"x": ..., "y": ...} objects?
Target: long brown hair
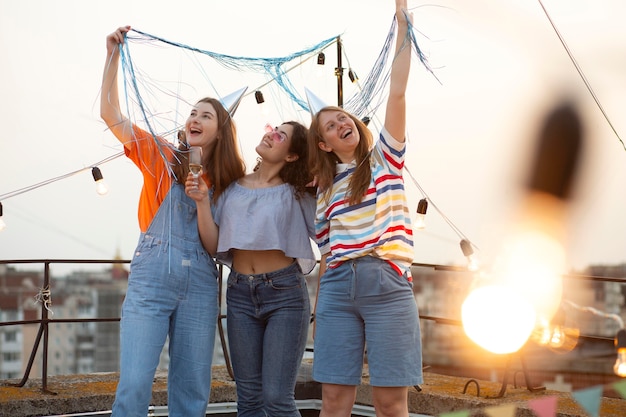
[
  {"x": 324, "y": 164},
  {"x": 224, "y": 163}
]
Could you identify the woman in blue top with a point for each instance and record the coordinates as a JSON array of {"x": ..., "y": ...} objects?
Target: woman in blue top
[{"x": 265, "y": 223}]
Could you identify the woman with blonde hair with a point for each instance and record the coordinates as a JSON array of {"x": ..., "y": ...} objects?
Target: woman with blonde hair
[{"x": 363, "y": 228}]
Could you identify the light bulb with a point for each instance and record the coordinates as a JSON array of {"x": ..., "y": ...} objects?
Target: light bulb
[
  {"x": 422, "y": 207},
  {"x": 420, "y": 223},
  {"x": 101, "y": 186},
  {"x": 497, "y": 319},
  {"x": 620, "y": 364},
  {"x": 532, "y": 259},
  {"x": 472, "y": 261},
  {"x": 353, "y": 77},
  {"x": 560, "y": 334},
  {"x": 557, "y": 338}
]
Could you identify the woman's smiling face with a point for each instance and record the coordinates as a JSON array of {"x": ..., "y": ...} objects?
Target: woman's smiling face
[
  {"x": 340, "y": 134},
  {"x": 201, "y": 126}
]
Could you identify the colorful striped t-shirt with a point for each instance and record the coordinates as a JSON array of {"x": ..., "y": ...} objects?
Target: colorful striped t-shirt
[{"x": 380, "y": 225}]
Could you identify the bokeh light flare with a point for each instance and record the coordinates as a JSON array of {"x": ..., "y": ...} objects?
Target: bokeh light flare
[{"x": 497, "y": 319}]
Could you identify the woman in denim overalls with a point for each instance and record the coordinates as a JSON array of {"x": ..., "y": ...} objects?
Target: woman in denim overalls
[{"x": 172, "y": 287}]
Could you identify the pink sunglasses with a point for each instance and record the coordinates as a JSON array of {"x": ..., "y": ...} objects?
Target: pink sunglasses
[{"x": 276, "y": 135}]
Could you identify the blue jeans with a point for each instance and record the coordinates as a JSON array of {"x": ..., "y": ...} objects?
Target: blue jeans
[
  {"x": 365, "y": 304},
  {"x": 268, "y": 321},
  {"x": 172, "y": 291}
]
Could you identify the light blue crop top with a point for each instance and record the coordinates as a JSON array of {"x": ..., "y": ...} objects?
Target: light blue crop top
[{"x": 266, "y": 219}]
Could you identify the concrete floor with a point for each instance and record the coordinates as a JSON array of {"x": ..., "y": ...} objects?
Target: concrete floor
[{"x": 95, "y": 392}]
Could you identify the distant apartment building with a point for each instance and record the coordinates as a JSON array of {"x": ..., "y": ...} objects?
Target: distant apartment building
[{"x": 75, "y": 343}]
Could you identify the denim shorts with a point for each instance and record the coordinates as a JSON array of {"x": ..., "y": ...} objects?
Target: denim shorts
[{"x": 365, "y": 308}]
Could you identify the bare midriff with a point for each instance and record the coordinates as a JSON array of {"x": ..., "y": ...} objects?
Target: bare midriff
[{"x": 259, "y": 262}]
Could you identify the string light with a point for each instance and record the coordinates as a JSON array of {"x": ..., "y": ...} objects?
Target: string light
[
  {"x": 2, "y": 223},
  {"x": 260, "y": 100},
  {"x": 352, "y": 75},
  {"x": 422, "y": 207},
  {"x": 496, "y": 317},
  {"x": 558, "y": 334},
  {"x": 258, "y": 96},
  {"x": 468, "y": 252},
  {"x": 101, "y": 187}
]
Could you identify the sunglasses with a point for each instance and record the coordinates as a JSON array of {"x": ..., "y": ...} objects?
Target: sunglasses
[{"x": 276, "y": 135}]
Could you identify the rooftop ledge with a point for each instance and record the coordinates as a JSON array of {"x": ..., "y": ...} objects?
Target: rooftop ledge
[{"x": 85, "y": 393}]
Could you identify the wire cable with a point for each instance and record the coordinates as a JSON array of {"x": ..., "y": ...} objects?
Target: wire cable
[{"x": 582, "y": 75}]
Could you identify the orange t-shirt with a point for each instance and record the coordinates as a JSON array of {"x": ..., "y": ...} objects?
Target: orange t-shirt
[{"x": 151, "y": 158}]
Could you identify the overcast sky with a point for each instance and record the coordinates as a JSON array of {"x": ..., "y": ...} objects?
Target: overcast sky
[{"x": 500, "y": 63}]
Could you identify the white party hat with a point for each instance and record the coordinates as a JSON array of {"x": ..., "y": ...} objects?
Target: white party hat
[
  {"x": 315, "y": 103},
  {"x": 232, "y": 100}
]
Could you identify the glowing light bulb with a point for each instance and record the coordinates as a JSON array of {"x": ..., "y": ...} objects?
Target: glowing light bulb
[
  {"x": 533, "y": 260},
  {"x": 497, "y": 319},
  {"x": 620, "y": 364},
  {"x": 422, "y": 207},
  {"x": 101, "y": 186}
]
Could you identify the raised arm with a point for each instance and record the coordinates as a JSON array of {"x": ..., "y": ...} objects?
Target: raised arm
[
  {"x": 395, "y": 115},
  {"x": 109, "y": 96}
]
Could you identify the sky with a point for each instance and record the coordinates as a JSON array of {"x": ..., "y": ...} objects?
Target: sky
[{"x": 499, "y": 65}]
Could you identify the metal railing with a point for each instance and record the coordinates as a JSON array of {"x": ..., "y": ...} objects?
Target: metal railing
[
  {"x": 45, "y": 295},
  {"x": 44, "y": 321}
]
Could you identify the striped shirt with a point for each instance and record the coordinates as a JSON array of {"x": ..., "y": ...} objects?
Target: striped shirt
[{"x": 380, "y": 225}]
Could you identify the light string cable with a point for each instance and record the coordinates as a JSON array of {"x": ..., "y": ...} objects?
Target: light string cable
[
  {"x": 130, "y": 74},
  {"x": 441, "y": 213},
  {"x": 288, "y": 70},
  {"x": 272, "y": 66},
  {"x": 582, "y": 75},
  {"x": 60, "y": 177}
]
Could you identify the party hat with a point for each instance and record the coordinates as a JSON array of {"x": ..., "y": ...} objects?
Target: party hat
[
  {"x": 315, "y": 103},
  {"x": 232, "y": 100}
]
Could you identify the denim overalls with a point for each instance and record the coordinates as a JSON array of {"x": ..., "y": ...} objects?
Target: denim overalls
[{"x": 172, "y": 291}]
